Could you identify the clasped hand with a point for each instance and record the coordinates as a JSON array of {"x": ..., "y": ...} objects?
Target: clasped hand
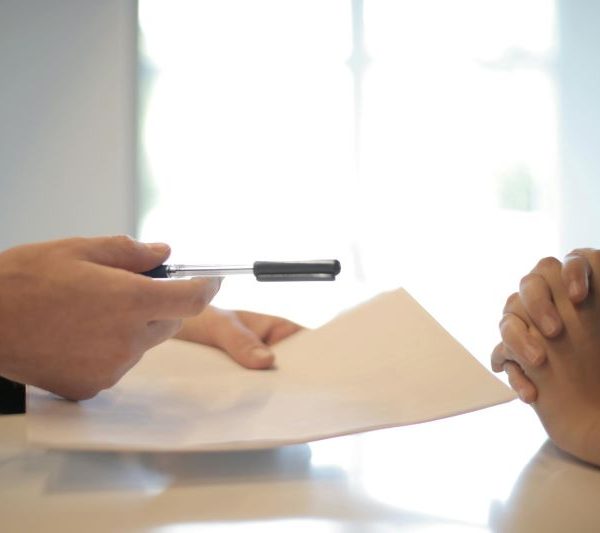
[{"x": 550, "y": 349}]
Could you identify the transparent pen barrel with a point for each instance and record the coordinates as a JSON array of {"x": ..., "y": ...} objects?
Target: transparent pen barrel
[{"x": 206, "y": 271}]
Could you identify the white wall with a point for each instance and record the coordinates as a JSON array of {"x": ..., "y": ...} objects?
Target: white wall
[
  {"x": 579, "y": 126},
  {"x": 67, "y": 115}
]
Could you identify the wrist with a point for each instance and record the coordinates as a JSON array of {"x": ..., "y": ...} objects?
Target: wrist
[{"x": 578, "y": 434}]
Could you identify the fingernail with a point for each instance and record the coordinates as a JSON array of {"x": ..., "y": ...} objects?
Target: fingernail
[
  {"x": 575, "y": 289},
  {"x": 262, "y": 353},
  {"x": 549, "y": 325},
  {"x": 534, "y": 354},
  {"x": 159, "y": 247}
]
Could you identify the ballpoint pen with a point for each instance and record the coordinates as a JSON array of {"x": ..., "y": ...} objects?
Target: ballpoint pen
[{"x": 325, "y": 270}]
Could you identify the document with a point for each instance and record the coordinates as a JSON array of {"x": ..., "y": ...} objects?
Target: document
[{"x": 382, "y": 364}]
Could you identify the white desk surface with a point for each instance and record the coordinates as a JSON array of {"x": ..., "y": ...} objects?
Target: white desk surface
[{"x": 491, "y": 470}]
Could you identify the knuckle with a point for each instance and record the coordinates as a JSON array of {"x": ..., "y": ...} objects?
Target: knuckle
[
  {"x": 548, "y": 264},
  {"x": 511, "y": 302},
  {"x": 504, "y": 325},
  {"x": 498, "y": 358},
  {"x": 125, "y": 242},
  {"x": 528, "y": 279},
  {"x": 509, "y": 330},
  {"x": 581, "y": 252},
  {"x": 575, "y": 252},
  {"x": 515, "y": 373}
]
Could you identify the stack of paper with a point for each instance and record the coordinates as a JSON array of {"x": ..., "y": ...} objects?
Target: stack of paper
[{"x": 385, "y": 363}]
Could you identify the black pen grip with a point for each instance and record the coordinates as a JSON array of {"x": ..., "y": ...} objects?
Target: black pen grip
[
  {"x": 297, "y": 271},
  {"x": 160, "y": 272}
]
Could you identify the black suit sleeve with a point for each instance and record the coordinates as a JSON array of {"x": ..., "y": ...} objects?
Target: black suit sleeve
[{"x": 12, "y": 397}]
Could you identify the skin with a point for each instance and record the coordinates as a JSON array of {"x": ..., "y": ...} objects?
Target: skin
[
  {"x": 517, "y": 345},
  {"x": 75, "y": 316},
  {"x": 245, "y": 336},
  {"x": 568, "y": 381}
]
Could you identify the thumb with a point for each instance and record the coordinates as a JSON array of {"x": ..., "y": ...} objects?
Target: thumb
[
  {"x": 242, "y": 344},
  {"x": 124, "y": 252}
]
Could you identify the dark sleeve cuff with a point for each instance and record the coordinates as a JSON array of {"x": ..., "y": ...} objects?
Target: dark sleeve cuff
[{"x": 12, "y": 397}]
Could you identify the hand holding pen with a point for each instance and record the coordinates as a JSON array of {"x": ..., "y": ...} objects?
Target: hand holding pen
[{"x": 75, "y": 315}]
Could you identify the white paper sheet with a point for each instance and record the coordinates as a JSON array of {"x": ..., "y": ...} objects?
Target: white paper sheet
[{"x": 384, "y": 363}]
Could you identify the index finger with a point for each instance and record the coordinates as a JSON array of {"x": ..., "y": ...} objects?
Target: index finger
[{"x": 178, "y": 298}]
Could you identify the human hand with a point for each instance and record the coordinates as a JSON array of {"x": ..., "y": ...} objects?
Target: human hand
[
  {"x": 74, "y": 316},
  {"x": 518, "y": 347},
  {"x": 568, "y": 384},
  {"x": 245, "y": 336}
]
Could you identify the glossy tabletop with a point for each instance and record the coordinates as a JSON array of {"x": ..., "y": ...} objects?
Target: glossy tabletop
[{"x": 491, "y": 470}]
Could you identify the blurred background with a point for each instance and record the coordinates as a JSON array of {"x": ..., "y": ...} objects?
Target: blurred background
[{"x": 439, "y": 146}]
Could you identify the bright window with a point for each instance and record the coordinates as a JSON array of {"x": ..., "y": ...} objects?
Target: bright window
[{"x": 415, "y": 141}]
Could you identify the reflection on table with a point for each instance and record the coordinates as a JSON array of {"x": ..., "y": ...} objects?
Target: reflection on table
[{"x": 487, "y": 471}]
